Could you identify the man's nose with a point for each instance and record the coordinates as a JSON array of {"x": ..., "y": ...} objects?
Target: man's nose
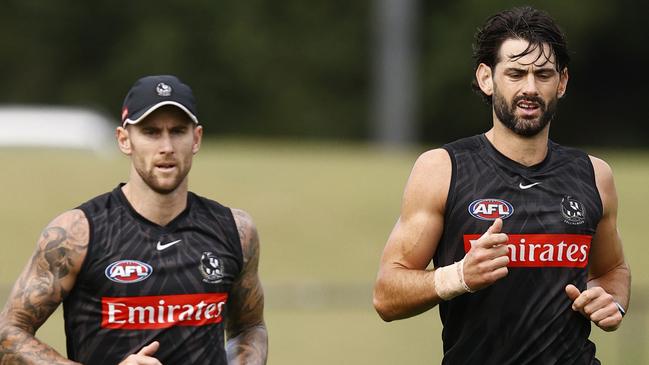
[
  {"x": 530, "y": 88},
  {"x": 165, "y": 144}
]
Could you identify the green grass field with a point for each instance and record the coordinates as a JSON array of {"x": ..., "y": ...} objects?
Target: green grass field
[{"x": 324, "y": 212}]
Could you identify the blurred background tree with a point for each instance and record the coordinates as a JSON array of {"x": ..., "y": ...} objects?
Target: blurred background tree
[{"x": 304, "y": 69}]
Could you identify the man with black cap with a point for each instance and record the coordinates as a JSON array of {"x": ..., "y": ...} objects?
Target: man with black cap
[{"x": 149, "y": 273}]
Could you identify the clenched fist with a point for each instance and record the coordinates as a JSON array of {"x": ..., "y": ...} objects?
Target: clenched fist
[
  {"x": 488, "y": 258},
  {"x": 597, "y": 305},
  {"x": 144, "y": 356}
]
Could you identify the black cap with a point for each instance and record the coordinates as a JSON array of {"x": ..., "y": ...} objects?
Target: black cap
[{"x": 151, "y": 92}]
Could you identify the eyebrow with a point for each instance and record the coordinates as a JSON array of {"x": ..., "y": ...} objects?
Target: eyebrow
[
  {"x": 525, "y": 70},
  {"x": 147, "y": 127}
]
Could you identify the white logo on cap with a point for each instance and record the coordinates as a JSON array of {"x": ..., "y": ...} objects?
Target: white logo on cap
[{"x": 163, "y": 89}]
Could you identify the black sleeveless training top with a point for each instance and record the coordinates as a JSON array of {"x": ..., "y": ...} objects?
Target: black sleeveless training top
[
  {"x": 141, "y": 282},
  {"x": 550, "y": 212}
]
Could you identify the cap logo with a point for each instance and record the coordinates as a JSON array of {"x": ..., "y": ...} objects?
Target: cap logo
[{"x": 163, "y": 89}]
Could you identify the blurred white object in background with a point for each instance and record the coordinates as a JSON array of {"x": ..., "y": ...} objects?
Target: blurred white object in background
[{"x": 55, "y": 126}]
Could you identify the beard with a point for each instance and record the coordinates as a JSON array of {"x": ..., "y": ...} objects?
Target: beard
[
  {"x": 524, "y": 127},
  {"x": 154, "y": 182}
]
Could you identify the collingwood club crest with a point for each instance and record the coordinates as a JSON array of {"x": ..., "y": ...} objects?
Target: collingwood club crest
[
  {"x": 573, "y": 210},
  {"x": 211, "y": 268},
  {"x": 163, "y": 89}
]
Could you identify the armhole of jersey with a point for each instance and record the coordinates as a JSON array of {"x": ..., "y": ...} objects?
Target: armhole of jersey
[
  {"x": 450, "y": 196},
  {"x": 237, "y": 240},
  {"x": 91, "y": 236},
  {"x": 597, "y": 193}
]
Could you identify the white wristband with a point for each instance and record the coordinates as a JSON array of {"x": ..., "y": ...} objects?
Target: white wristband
[{"x": 449, "y": 281}]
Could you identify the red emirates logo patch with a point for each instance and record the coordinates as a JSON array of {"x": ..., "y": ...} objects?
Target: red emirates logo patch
[
  {"x": 543, "y": 250},
  {"x": 162, "y": 311}
]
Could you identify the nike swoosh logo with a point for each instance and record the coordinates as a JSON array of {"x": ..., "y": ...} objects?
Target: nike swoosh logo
[
  {"x": 161, "y": 247},
  {"x": 524, "y": 187}
]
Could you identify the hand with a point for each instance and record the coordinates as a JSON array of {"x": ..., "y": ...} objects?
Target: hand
[
  {"x": 487, "y": 260},
  {"x": 597, "y": 305},
  {"x": 144, "y": 356}
]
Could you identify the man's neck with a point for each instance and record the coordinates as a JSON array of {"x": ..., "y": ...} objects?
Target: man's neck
[
  {"x": 158, "y": 208},
  {"x": 527, "y": 151}
]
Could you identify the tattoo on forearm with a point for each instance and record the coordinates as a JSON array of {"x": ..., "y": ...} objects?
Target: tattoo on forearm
[
  {"x": 19, "y": 347},
  {"x": 42, "y": 286},
  {"x": 250, "y": 347}
]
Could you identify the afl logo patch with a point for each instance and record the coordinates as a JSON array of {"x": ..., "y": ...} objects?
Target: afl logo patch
[
  {"x": 211, "y": 268},
  {"x": 128, "y": 271},
  {"x": 573, "y": 210},
  {"x": 491, "y": 209}
]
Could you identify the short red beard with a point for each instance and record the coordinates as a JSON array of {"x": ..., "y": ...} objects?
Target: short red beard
[{"x": 151, "y": 181}]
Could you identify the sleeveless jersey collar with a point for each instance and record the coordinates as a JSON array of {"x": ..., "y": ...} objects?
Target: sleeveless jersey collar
[
  {"x": 168, "y": 227},
  {"x": 510, "y": 164}
]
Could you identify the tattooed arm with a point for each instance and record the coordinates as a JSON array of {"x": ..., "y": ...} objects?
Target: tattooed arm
[
  {"x": 41, "y": 287},
  {"x": 247, "y": 335}
]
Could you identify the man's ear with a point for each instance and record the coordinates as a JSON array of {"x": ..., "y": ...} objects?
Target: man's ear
[
  {"x": 484, "y": 76},
  {"x": 563, "y": 83},
  {"x": 123, "y": 140},
  {"x": 198, "y": 137}
]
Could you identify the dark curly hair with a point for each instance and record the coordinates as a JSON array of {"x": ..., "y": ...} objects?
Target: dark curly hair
[{"x": 530, "y": 24}]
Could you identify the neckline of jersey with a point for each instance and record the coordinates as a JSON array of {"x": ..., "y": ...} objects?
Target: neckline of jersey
[
  {"x": 166, "y": 228},
  {"x": 506, "y": 161}
]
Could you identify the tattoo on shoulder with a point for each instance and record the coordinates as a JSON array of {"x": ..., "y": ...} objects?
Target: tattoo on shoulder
[
  {"x": 247, "y": 297},
  {"x": 247, "y": 235},
  {"x": 47, "y": 280},
  {"x": 62, "y": 245}
]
